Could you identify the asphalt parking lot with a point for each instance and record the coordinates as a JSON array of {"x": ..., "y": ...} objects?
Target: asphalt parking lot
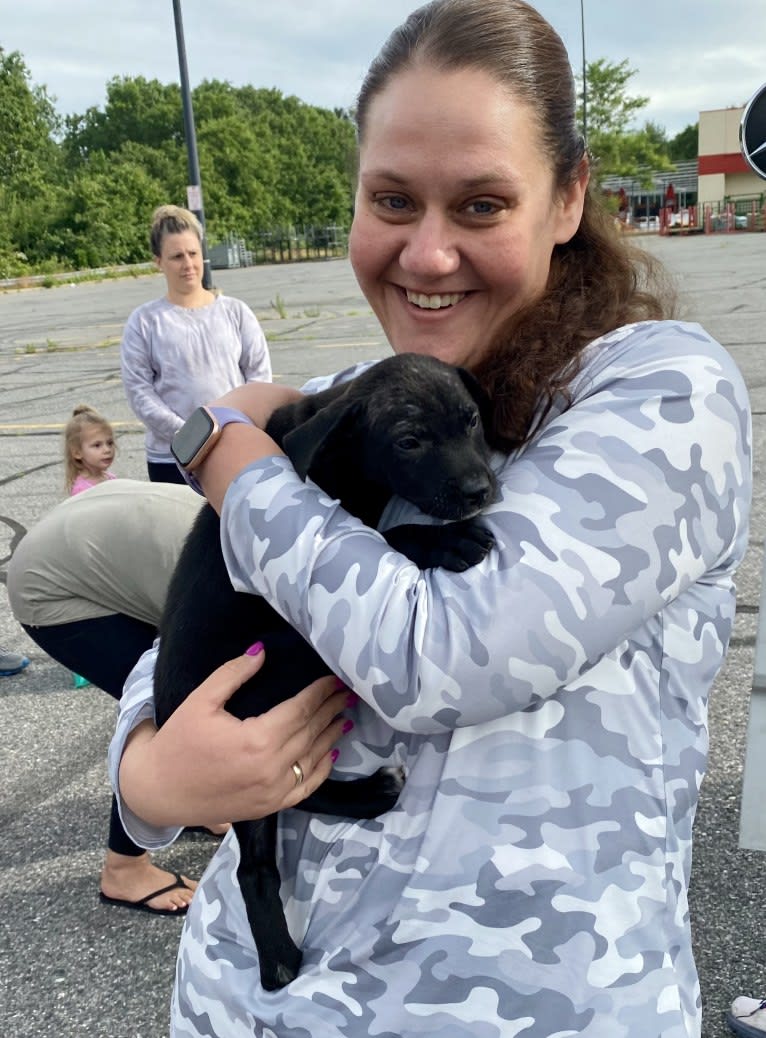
[{"x": 71, "y": 966}]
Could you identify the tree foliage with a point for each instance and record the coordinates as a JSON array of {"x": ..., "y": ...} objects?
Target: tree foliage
[
  {"x": 80, "y": 192},
  {"x": 685, "y": 145},
  {"x": 28, "y": 153},
  {"x": 617, "y": 146}
]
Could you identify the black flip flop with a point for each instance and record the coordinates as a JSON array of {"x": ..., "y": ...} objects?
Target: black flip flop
[
  {"x": 142, "y": 906},
  {"x": 204, "y": 831}
]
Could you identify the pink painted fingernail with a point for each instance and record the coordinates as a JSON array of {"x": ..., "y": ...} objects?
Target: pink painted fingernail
[
  {"x": 334, "y": 755},
  {"x": 352, "y": 699},
  {"x": 347, "y": 726},
  {"x": 340, "y": 684},
  {"x": 255, "y": 650}
]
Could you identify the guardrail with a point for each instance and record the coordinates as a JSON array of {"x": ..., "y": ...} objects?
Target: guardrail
[{"x": 35, "y": 280}]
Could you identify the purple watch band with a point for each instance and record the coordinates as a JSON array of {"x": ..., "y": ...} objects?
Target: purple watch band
[{"x": 223, "y": 416}]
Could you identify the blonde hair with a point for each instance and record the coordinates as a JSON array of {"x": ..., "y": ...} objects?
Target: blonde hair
[
  {"x": 83, "y": 417},
  {"x": 171, "y": 219}
]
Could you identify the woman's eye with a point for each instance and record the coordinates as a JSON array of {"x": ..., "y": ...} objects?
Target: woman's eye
[
  {"x": 394, "y": 203},
  {"x": 482, "y": 207}
]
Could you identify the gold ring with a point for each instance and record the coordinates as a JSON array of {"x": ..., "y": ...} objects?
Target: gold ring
[{"x": 298, "y": 772}]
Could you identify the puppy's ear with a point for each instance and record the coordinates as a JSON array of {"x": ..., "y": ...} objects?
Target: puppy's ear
[
  {"x": 479, "y": 395},
  {"x": 304, "y": 444}
]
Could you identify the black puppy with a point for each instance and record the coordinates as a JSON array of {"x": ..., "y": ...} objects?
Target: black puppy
[{"x": 411, "y": 426}]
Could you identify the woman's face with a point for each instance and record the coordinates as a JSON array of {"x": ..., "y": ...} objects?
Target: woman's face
[
  {"x": 180, "y": 260},
  {"x": 456, "y": 214}
]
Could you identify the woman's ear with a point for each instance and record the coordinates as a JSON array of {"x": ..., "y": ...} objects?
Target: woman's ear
[{"x": 571, "y": 201}]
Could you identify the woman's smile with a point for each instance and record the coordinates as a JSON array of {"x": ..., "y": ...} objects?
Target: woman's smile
[{"x": 437, "y": 301}]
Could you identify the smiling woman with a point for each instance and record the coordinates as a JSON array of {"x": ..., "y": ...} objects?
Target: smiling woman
[
  {"x": 548, "y": 706},
  {"x": 185, "y": 349}
]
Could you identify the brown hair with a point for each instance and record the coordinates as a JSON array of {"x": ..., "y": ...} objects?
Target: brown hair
[
  {"x": 171, "y": 219},
  {"x": 83, "y": 417},
  {"x": 596, "y": 281}
]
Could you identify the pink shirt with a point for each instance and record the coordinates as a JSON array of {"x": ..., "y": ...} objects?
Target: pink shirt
[{"x": 84, "y": 483}]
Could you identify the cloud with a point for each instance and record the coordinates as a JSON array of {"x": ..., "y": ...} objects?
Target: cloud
[{"x": 688, "y": 58}]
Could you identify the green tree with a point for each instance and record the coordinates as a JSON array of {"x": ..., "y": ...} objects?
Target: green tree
[
  {"x": 100, "y": 219},
  {"x": 30, "y": 160},
  {"x": 313, "y": 151},
  {"x": 616, "y": 144},
  {"x": 29, "y": 154},
  {"x": 266, "y": 160},
  {"x": 239, "y": 171},
  {"x": 685, "y": 145},
  {"x": 137, "y": 109}
]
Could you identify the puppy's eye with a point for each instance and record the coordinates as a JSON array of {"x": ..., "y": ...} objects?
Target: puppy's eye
[
  {"x": 473, "y": 422},
  {"x": 408, "y": 443}
]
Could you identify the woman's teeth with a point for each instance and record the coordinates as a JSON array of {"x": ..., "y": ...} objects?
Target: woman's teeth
[{"x": 435, "y": 302}]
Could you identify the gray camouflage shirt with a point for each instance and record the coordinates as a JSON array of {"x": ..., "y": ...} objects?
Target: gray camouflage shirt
[{"x": 549, "y": 708}]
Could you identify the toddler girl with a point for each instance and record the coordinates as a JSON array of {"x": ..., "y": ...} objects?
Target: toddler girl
[{"x": 89, "y": 449}]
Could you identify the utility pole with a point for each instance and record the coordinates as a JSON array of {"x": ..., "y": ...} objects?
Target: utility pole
[{"x": 194, "y": 187}]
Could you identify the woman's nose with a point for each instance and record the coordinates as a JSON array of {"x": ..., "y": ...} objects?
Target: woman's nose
[{"x": 430, "y": 249}]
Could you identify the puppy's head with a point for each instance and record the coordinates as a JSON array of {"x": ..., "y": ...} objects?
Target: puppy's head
[
  {"x": 411, "y": 425},
  {"x": 429, "y": 415}
]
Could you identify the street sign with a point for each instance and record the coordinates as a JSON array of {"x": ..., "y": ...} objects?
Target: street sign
[{"x": 752, "y": 132}]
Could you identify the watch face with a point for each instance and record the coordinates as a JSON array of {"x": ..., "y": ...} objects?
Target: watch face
[{"x": 192, "y": 437}]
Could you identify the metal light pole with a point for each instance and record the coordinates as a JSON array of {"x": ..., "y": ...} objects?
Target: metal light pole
[
  {"x": 194, "y": 187},
  {"x": 584, "y": 77}
]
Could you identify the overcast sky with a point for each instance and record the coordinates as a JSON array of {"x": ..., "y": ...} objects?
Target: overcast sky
[{"x": 690, "y": 55}]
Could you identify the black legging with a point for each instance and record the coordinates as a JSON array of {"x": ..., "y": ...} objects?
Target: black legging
[
  {"x": 164, "y": 472},
  {"x": 104, "y": 650}
]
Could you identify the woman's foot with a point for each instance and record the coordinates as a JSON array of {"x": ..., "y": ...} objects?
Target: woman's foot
[{"x": 129, "y": 880}]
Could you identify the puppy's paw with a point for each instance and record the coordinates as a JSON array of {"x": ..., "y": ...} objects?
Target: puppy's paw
[
  {"x": 464, "y": 544},
  {"x": 280, "y": 969},
  {"x": 455, "y": 546},
  {"x": 365, "y": 797}
]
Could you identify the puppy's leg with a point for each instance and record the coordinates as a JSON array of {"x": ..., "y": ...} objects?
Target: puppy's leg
[
  {"x": 259, "y": 882},
  {"x": 456, "y": 546},
  {"x": 357, "y": 798}
]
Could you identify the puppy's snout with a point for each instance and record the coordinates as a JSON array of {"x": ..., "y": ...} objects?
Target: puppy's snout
[
  {"x": 477, "y": 496},
  {"x": 478, "y": 489},
  {"x": 467, "y": 494}
]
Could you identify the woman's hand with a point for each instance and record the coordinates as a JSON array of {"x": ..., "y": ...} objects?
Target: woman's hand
[{"x": 204, "y": 764}]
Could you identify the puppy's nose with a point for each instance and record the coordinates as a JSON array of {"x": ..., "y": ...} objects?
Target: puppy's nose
[{"x": 477, "y": 490}]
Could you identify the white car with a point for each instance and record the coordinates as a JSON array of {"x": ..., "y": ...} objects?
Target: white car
[{"x": 648, "y": 223}]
